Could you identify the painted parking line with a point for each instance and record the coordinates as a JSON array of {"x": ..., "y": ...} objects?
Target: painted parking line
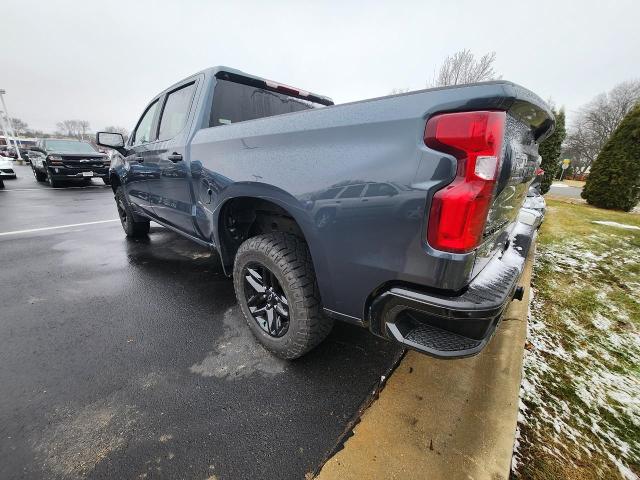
[{"x": 33, "y": 230}]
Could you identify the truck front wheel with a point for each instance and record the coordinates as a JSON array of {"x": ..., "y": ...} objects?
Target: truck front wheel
[
  {"x": 53, "y": 183},
  {"x": 131, "y": 227},
  {"x": 277, "y": 291},
  {"x": 40, "y": 177}
]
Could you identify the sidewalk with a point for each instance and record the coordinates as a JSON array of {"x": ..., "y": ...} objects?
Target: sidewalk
[{"x": 449, "y": 419}]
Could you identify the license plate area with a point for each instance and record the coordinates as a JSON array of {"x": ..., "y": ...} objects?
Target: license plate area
[{"x": 87, "y": 174}]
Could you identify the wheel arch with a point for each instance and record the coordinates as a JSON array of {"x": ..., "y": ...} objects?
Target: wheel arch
[{"x": 253, "y": 209}]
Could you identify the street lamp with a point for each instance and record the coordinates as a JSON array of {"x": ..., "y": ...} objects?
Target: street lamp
[{"x": 11, "y": 130}]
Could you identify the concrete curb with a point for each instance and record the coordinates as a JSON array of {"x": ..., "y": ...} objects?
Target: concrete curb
[{"x": 453, "y": 419}]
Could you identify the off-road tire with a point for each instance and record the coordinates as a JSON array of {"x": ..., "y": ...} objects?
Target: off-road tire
[
  {"x": 106, "y": 180},
  {"x": 40, "y": 177},
  {"x": 287, "y": 257},
  {"x": 131, "y": 227},
  {"x": 53, "y": 183}
]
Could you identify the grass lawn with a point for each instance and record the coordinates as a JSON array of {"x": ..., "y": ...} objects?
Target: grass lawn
[{"x": 580, "y": 396}]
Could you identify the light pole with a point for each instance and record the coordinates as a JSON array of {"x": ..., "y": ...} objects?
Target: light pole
[
  {"x": 13, "y": 133},
  {"x": 4, "y": 129}
]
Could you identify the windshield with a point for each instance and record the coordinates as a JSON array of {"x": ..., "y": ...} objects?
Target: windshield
[{"x": 68, "y": 146}]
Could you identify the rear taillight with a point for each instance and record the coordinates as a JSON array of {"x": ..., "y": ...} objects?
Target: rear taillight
[{"x": 459, "y": 211}]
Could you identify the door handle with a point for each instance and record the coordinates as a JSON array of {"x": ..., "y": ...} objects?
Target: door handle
[{"x": 175, "y": 157}]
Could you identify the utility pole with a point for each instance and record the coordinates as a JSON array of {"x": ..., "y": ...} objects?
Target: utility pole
[{"x": 13, "y": 133}]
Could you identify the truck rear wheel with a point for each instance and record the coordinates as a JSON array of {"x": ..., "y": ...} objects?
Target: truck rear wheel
[
  {"x": 131, "y": 227},
  {"x": 277, "y": 291}
]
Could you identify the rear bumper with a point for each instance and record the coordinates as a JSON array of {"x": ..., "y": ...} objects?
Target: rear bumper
[{"x": 455, "y": 326}]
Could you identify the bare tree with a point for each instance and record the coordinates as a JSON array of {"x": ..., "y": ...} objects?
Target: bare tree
[
  {"x": 67, "y": 128},
  {"x": 83, "y": 128},
  {"x": 596, "y": 121},
  {"x": 19, "y": 126},
  {"x": 73, "y": 128},
  {"x": 121, "y": 130},
  {"x": 462, "y": 67}
]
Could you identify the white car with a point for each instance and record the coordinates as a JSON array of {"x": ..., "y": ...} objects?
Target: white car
[{"x": 6, "y": 168}]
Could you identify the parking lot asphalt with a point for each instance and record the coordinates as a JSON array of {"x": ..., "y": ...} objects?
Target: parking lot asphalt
[{"x": 130, "y": 359}]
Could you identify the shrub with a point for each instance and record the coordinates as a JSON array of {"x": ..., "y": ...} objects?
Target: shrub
[
  {"x": 550, "y": 150},
  {"x": 614, "y": 180}
]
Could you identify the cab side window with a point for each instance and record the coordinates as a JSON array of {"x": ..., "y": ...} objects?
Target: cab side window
[
  {"x": 175, "y": 112},
  {"x": 143, "y": 133}
]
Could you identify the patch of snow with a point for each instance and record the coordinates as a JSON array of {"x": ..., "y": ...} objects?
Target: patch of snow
[
  {"x": 236, "y": 355},
  {"x": 616, "y": 224},
  {"x": 601, "y": 323},
  {"x": 588, "y": 355}
]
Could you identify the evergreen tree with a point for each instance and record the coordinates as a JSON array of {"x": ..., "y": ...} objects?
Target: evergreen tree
[
  {"x": 550, "y": 150},
  {"x": 614, "y": 180}
]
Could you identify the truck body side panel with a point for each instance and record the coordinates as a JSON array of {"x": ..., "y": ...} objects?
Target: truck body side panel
[{"x": 357, "y": 178}]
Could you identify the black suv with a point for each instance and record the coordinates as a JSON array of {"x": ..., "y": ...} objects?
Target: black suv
[{"x": 68, "y": 160}]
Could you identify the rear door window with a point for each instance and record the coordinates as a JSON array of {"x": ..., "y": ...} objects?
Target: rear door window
[
  {"x": 328, "y": 194},
  {"x": 353, "y": 191},
  {"x": 235, "y": 102},
  {"x": 380, "y": 190},
  {"x": 175, "y": 112}
]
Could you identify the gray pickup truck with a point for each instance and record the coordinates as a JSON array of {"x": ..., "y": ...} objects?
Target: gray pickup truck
[{"x": 401, "y": 214}]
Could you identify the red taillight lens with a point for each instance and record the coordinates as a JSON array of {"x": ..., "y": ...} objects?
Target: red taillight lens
[{"x": 459, "y": 211}]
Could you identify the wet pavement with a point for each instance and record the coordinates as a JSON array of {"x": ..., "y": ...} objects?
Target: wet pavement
[
  {"x": 130, "y": 359},
  {"x": 564, "y": 190}
]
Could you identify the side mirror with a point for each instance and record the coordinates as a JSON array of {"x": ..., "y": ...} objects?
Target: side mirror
[{"x": 110, "y": 139}]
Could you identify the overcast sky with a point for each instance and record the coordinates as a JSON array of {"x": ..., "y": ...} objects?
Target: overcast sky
[{"x": 103, "y": 61}]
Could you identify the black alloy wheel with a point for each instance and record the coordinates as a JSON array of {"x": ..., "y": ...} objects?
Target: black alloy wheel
[
  {"x": 131, "y": 226},
  {"x": 266, "y": 300}
]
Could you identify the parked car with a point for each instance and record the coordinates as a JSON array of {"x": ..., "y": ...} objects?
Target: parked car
[
  {"x": 64, "y": 160},
  {"x": 377, "y": 198},
  {"x": 10, "y": 152},
  {"x": 246, "y": 163},
  {"x": 6, "y": 168}
]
